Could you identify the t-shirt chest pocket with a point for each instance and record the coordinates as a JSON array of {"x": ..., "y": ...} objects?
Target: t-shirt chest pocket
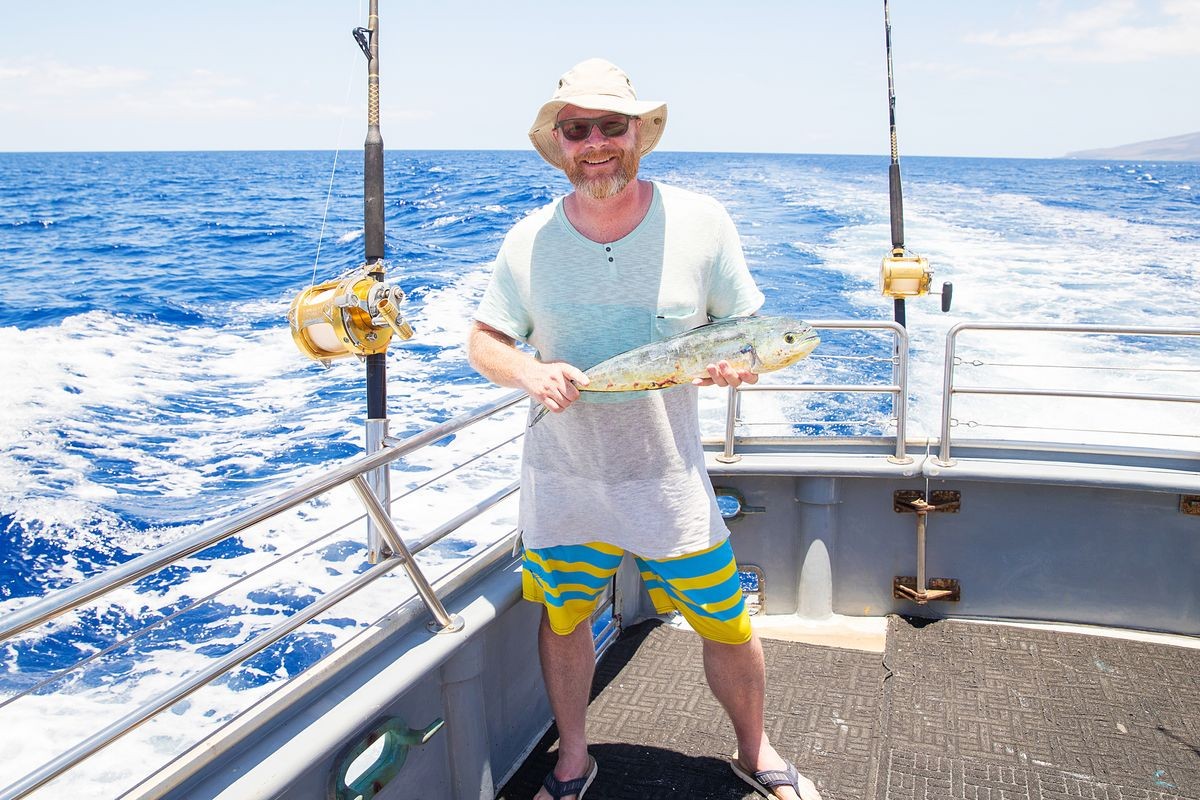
[{"x": 671, "y": 319}]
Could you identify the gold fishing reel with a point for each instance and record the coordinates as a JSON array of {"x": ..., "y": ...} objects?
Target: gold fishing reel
[
  {"x": 355, "y": 314},
  {"x": 904, "y": 275}
]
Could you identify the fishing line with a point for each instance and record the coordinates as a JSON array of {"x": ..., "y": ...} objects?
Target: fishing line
[
  {"x": 822, "y": 423},
  {"x": 830, "y": 357},
  {"x": 977, "y": 424},
  {"x": 352, "y": 62},
  {"x": 977, "y": 363}
]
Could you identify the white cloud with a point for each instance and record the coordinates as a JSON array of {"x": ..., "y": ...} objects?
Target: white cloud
[
  {"x": 1115, "y": 31},
  {"x": 28, "y": 85},
  {"x": 108, "y": 90},
  {"x": 10, "y": 73},
  {"x": 198, "y": 92}
]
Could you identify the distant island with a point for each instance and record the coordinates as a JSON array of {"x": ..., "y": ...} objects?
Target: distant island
[{"x": 1173, "y": 148}]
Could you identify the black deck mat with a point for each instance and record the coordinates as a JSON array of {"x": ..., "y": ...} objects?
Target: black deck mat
[
  {"x": 657, "y": 732},
  {"x": 952, "y": 711},
  {"x": 995, "y": 711}
]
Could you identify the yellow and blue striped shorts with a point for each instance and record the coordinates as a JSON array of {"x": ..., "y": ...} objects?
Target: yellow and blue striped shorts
[{"x": 569, "y": 581}]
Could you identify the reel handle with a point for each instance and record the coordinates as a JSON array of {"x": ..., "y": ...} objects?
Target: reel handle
[{"x": 390, "y": 311}]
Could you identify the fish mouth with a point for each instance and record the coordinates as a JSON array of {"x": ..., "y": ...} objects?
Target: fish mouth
[
  {"x": 810, "y": 343},
  {"x": 799, "y": 348}
]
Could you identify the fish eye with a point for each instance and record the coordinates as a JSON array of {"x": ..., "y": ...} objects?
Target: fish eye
[{"x": 789, "y": 337}]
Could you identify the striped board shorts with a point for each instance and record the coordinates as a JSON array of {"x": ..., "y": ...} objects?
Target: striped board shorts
[{"x": 569, "y": 581}]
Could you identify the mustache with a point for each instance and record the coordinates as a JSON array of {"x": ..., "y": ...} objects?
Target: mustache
[{"x": 598, "y": 155}]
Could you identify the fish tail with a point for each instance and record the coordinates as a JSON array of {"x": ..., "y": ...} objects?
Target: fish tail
[{"x": 536, "y": 417}]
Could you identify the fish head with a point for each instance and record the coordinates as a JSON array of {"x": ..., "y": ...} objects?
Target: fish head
[{"x": 781, "y": 342}]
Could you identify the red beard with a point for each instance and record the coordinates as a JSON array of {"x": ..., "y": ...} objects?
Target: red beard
[{"x": 600, "y": 187}]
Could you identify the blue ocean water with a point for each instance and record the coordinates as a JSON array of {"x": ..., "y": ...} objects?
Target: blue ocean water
[{"x": 151, "y": 384}]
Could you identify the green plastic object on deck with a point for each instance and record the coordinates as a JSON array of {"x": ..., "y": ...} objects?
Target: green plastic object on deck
[{"x": 398, "y": 738}]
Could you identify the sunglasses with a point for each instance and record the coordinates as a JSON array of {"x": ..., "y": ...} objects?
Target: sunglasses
[{"x": 580, "y": 128}]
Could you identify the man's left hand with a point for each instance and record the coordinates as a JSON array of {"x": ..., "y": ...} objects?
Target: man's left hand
[{"x": 721, "y": 374}]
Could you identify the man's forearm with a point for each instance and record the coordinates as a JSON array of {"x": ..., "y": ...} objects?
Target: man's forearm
[{"x": 495, "y": 356}]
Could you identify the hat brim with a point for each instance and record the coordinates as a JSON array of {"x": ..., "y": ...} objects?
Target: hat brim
[{"x": 653, "y": 115}]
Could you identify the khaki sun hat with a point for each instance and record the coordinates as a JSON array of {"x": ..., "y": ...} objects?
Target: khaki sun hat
[{"x": 596, "y": 85}]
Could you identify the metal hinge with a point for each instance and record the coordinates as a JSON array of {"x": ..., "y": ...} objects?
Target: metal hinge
[
  {"x": 904, "y": 587},
  {"x": 906, "y": 500}
]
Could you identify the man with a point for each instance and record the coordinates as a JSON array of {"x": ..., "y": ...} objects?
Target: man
[{"x": 615, "y": 264}]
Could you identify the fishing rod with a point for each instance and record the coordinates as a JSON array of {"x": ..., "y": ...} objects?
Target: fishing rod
[
  {"x": 358, "y": 312},
  {"x": 901, "y": 274},
  {"x": 368, "y": 42}
]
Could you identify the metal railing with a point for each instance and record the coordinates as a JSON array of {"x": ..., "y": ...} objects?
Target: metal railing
[
  {"x": 354, "y": 473},
  {"x": 950, "y": 390},
  {"x": 51, "y": 606},
  {"x": 898, "y": 388}
]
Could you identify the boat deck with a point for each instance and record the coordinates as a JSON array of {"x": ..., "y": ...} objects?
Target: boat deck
[{"x": 950, "y": 709}]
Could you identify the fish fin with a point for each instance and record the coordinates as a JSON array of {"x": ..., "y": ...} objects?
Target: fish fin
[{"x": 754, "y": 362}]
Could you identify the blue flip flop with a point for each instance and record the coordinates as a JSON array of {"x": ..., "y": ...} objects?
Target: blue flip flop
[
  {"x": 767, "y": 780},
  {"x": 577, "y": 786}
]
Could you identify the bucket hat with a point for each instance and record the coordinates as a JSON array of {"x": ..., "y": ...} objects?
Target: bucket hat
[{"x": 596, "y": 85}]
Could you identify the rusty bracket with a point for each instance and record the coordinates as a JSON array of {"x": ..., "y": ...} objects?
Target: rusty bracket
[
  {"x": 913, "y": 500},
  {"x": 1190, "y": 504},
  {"x": 918, "y": 588},
  {"x": 904, "y": 587}
]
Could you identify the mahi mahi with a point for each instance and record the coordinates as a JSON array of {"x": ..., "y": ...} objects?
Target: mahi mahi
[{"x": 749, "y": 344}]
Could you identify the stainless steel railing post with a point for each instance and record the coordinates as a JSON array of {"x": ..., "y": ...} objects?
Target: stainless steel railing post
[
  {"x": 379, "y": 480},
  {"x": 943, "y": 459},
  {"x": 900, "y": 376},
  {"x": 731, "y": 414},
  {"x": 387, "y": 528}
]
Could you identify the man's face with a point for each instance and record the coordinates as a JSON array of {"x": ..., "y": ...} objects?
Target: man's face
[{"x": 599, "y": 166}]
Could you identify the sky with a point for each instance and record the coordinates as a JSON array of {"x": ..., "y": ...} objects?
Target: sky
[{"x": 1018, "y": 78}]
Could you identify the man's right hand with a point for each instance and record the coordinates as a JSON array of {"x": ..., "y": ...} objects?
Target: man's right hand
[
  {"x": 494, "y": 353},
  {"x": 554, "y": 384}
]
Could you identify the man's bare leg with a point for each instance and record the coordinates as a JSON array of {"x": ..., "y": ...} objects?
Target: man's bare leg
[
  {"x": 736, "y": 674},
  {"x": 568, "y": 663}
]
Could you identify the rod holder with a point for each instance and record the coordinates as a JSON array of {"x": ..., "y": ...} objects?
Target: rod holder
[{"x": 919, "y": 588}]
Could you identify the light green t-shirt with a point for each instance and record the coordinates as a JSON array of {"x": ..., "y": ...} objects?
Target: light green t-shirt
[{"x": 628, "y": 468}]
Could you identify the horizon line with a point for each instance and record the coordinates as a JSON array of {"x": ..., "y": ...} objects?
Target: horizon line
[{"x": 1064, "y": 157}]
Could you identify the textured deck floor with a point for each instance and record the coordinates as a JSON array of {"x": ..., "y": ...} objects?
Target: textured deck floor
[
  {"x": 951, "y": 710},
  {"x": 995, "y": 711}
]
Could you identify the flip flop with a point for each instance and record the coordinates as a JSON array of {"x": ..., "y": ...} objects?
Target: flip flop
[
  {"x": 560, "y": 789},
  {"x": 767, "y": 780}
]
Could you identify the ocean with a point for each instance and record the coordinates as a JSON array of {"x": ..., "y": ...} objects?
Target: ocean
[{"x": 151, "y": 384}]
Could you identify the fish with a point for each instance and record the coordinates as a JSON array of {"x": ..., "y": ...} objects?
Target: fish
[{"x": 749, "y": 344}]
